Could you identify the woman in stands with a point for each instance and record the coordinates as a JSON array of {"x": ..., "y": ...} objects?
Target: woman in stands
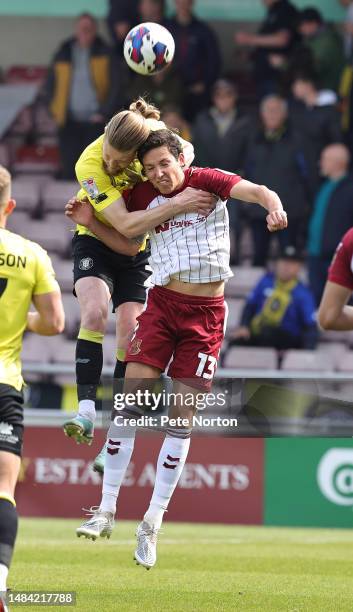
[{"x": 105, "y": 169}]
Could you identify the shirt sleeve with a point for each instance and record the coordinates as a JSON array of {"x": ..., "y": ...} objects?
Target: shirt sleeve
[
  {"x": 45, "y": 281},
  {"x": 340, "y": 271},
  {"x": 96, "y": 185},
  {"x": 214, "y": 180}
]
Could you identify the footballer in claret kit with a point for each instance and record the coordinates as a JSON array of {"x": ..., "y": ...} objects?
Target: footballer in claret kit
[{"x": 182, "y": 325}]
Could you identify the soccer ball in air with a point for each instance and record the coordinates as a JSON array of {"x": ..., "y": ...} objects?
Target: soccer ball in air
[{"x": 148, "y": 48}]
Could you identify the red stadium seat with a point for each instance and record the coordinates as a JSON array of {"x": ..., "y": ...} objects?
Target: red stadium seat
[
  {"x": 25, "y": 74},
  {"x": 37, "y": 158}
]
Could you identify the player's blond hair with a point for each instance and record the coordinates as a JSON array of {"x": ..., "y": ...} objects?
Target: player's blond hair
[
  {"x": 5, "y": 187},
  {"x": 128, "y": 130}
]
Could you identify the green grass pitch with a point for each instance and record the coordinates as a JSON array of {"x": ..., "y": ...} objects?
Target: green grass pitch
[{"x": 199, "y": 568}]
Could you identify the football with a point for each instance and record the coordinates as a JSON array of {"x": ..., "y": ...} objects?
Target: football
[{"x": 148, "y": 48}]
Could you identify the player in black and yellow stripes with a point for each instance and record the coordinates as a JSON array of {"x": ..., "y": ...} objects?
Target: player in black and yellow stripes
[
  {"x": 105, "y": 169},
  {"x": 26, "y": 275}
]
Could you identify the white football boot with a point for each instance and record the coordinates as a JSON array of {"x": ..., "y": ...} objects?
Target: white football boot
[
  {"x": 100, "y": 524},
  {"x": 146, "y": 550}
]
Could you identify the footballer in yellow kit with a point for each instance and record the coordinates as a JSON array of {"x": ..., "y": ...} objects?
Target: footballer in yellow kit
[
  {"x": 106, "y": 168},
  {"x": 26, "y": 275}
]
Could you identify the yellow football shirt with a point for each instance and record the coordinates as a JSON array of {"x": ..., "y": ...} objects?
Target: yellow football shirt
[
  {"x": 25, "y": 271},
  {"x": 100, "y": 188}
]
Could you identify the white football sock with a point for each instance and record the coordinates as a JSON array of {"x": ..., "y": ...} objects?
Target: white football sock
[
  {"x": 170, "y": 465},
  {"x": 4, "y": 570},
  {"x": 120, "y": 444},
  {"x": 87, "y": 409}
]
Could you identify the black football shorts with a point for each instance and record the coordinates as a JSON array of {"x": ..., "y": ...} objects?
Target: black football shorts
[
  {"x": 125, "y": 275},
  {"x": 11, "y": 419}
]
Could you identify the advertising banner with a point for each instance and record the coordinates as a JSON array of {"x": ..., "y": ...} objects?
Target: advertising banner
[
  {"x": 309, "y": 482},
  {"x": 222, "y": 481}
]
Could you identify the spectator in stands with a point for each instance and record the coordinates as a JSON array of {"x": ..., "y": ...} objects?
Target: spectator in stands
[
  {"x": 122, "y": 16},
  {"x": 346, "y": 99},
  {"x": 172, "y": 117},
  {"x": 348, "y": 28},
  {"x": 280, "y": 311},
  {"x": 275, "y": 157},
  {"x": 82, "y": 90},
  {"x": 325, "y": 47},
  {"x": 220, "y": 136},
  {"x": 332, "y": 214},
  {"x": 314, "y": 114},
  {"x": 197, "y": 57},
  {"x": 273, "y": 43},
  {"x": 220, "y": 133}
]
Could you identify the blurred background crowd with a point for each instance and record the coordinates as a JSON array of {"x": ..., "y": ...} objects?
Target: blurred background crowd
[{"x": 281, "y": 114}]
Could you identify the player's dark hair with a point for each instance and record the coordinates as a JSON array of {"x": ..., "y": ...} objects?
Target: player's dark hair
[
  {"x": 128, "y": 129},
  {"x": 160, "y": 138}
]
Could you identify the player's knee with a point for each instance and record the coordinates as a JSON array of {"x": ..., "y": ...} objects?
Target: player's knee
[{"x": 95, "y": 318}]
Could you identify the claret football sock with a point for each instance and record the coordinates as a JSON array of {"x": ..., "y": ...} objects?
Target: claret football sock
[
  {"x": 120, "y": 444},
  {"x": 170, "y": 465}
]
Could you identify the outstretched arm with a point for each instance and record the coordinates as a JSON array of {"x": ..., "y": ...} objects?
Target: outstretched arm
[
  {"x": 333, "y": 311},
  {"x": 268, "y": 199}
]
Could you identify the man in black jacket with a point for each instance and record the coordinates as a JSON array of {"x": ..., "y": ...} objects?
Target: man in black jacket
[
  {"x": 332, "y": 214},
  {"x": 275, "y": 158},
  {"x": 220, "y": 135},
  {"x": 272, "y": 44},
  {"x": 83, "y": 91},
  {"x": 197, "y": 58},
  {"x": 314, "y": 114}
]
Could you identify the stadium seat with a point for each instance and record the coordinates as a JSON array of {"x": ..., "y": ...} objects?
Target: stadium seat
[
  {"x": 26, "y": 192},
  {"x": 46, "y": 236},
  {"x": 72, "y": 314},
  {"x": 334, "y": 336},
  {"x": 63, "y": 272},
  {"x": 243, "y": 281},
  {"x": 307, "y": 361},
  {"x": 345, "y": 362},
  {"x": 36, "y": 349},
  {"x": 25, "y": 74},
  {"x": 45, "y": 124},
  {"x": 336, "y": 350},
  {"x": 4, "y": 155},
  {"x": 245, "y": 358},
  {"x": 37, "y": 158},
  {"x": 18, "y": 222},
  {"x": 56, "y": 193},
  {"x": 235, "y": 308},
  {"x": 109, "y": 349},
  {"x": 63, "y": 351}
]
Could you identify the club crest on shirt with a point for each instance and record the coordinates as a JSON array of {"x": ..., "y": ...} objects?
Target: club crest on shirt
[
  {"x": 86, "y": 263},
  {"x": 135, "y": 346},
  {"x": 91, "y": 187}
]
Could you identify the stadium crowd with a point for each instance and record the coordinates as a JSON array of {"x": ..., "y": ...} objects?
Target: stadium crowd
[{"x": 287, "y": 124}]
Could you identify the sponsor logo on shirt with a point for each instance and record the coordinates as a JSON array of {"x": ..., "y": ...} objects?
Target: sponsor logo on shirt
[
  {"x": 164, "y": 227},
  {"x": 91, "y": 188}
]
